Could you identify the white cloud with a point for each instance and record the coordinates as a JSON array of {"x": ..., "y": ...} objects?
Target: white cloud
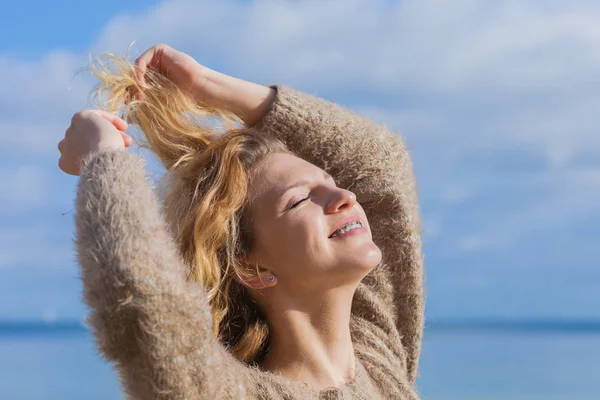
[{"x": 33, "y": 85}]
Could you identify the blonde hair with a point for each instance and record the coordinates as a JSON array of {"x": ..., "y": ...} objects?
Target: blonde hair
[{"x": 205, "y": 192}]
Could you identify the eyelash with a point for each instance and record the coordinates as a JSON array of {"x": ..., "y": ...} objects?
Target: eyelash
[{"x": 296, "y": 204}]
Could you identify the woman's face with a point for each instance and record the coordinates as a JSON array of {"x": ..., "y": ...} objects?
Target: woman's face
[{"x": 295, "y": 207}]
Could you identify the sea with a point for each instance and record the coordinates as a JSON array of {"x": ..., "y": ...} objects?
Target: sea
[{"x": 460, "y": 361}]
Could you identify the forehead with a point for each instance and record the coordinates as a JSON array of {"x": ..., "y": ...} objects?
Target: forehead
[{"x": 278, "y": 171}]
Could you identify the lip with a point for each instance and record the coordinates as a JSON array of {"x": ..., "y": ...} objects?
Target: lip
[{"x": 344, "y": 221}]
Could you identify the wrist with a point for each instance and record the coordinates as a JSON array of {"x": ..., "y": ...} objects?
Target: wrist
[
  {"x": 248, "y": 100},
  {"x": 204, "y": 86},
  {"x": 212, "y": 88}
]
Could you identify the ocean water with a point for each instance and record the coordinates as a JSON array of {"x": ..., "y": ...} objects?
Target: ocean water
[
  {"x": 515, "y": 365},
  {"x": 457, "y": 364}
]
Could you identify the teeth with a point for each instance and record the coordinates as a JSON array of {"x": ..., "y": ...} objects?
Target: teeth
[{"x": 346, "y": 228}]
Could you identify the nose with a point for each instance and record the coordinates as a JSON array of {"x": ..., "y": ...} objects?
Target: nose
[{"x": 341, "y": 199}]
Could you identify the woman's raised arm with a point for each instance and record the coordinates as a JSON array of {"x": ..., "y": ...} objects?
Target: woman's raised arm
[{"x": 146, "y": 318}]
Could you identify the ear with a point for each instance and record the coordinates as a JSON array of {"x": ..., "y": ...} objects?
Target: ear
[{"x": 264, "y": 279}]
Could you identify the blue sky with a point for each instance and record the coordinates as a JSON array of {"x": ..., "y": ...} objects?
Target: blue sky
[
  {"x": 31, "y": 29},
  {"x": 498, "y": 101}
]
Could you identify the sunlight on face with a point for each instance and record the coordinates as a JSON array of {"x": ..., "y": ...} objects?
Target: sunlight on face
[{"x": 295, "y": 207}]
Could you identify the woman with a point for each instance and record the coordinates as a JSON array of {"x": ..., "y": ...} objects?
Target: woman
[{"x": 251, "y": 290}]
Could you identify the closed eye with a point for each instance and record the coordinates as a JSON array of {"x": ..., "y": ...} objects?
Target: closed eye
[
  {"x": 297, "y": 203},
  {"x": 327, "y": 176}
]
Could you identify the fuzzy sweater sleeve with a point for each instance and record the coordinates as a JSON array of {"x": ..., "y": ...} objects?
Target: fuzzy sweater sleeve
[
  {"x": 375, "y": 164},
  {"x": 146, "y": 318}
]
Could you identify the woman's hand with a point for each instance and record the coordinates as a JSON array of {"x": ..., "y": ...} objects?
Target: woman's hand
[
  {"x": 180, "y": 68},
  {"x": 249, "y": 101},
  {"x": 91, "y": 131}
]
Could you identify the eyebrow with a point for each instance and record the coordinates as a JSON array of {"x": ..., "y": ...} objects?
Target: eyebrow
[{"x": 303, "y": 182}]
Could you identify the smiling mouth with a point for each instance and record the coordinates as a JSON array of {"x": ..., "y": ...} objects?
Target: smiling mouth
[{"x": 347, "y": 228}]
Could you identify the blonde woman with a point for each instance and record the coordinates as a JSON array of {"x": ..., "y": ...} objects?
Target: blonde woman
[{"x": 284, "y": 260}]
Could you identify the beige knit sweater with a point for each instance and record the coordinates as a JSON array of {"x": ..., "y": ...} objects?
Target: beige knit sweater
[{"x": 156, "y": 327}]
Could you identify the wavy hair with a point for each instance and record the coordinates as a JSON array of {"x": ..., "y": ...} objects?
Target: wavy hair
[{"x": 204, "y": 190}]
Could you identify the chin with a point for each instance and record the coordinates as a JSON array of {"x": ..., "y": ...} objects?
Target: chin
[
  {"x": 369, "y": 253},
  {"x": 362, "y": 260},
  {"x": 373, "y": 257}
]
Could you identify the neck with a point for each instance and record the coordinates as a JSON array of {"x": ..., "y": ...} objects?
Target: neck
[{"x": 310, "y": 341}]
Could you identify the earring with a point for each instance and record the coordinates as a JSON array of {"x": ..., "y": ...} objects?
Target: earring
[{"x": 271, "y": 278}]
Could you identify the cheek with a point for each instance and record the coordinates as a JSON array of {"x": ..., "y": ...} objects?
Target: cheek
[
  {"x": 303, "y": 239},
  {"x": 296, "y": 243},
  {"x": 292, "y": 237}
]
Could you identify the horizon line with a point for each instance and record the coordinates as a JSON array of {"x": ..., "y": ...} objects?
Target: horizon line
[{"x": 41, "y": 327}]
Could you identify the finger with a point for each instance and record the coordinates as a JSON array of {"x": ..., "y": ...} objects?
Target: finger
[
  {"x": 126, "y": 139},
  {"x": 119, "y": 123},
  {"x": 67, "y": 167},
  {"x": 140, "y": 71},
  {"x": 142, "y": 63}
]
